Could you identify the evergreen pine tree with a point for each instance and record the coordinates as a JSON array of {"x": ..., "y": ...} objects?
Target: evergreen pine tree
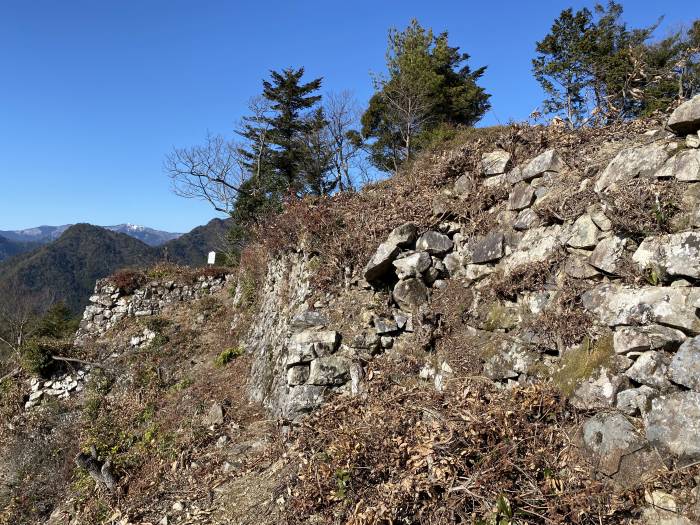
[
  {"x": 428, "y": 84},
  {"x": 289, "y": 100}
]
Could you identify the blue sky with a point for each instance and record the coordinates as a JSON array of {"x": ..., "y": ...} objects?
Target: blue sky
[{"x": 93, "y": 94}]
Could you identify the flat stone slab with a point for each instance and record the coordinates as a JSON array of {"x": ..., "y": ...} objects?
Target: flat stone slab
[
  {"x": 410, "y": 294},
  {"x": 644, "y": 338},
  {"x": 673, "y": 425},
  {"x": 434, "y": 243},
  {"x": 674, "y": 254},
  {"x": 488, "y": 249},
  {"x": 616, "y": 305},
  {"x": 685, "y": 365},
  {"x": 630, "y": 163},
  {"x": 549, "y": 161},
  {"x": 607, "y": 254},
  {"x": 494, "y": 162},
  {"x": 684, "y": 166},
  {"x": 521, "y": 197}
]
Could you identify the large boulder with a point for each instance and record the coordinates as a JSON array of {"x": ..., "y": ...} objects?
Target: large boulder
[
  {"x": 616, "y": 448},
  {"x": 521, "y": 197},
  {"x": 674, "y": 254},
  {"x": 380, "y": 263},
  {"x": 684, "y": 166},
  {"x": 302, "y": 399},
  {"x": 330, "y": 370},
  {"x": 584, "y": 233},
  {"x": 463, "y": 186},
  {"x": 644, "y": 338},
  {"x": 410, "y": 294},
  {"x": 635, "y": 401},
  {"x": 616, "y": 305},
  {"x": 494, "y": 162},
  {"x": 632, "y": 162},
  {"x": 403, "y": 236},
  {"x": 434, "y": 243},
  {"x": 685, "y": 365},
  {"x": 537, "y": 245},
  {"x": 651, "y": 369},
  {"x": 686, "y": 118},
  {"x": 549, "y": 161},
  {"x": 608, "y": 254},
  {"x": 310, "y": 344},
  {"x": 673, "y": 424},
  {"x": 598, "y": 391},
  {"x": 412, "y": 265}
]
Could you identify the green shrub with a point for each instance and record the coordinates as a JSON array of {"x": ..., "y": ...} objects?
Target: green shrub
[
  {"x": 156, "y": 323},
  {"x": 228, "y": 355},
  {"x": 249, "y": 289},
  {"x": 36, "y": 355}
]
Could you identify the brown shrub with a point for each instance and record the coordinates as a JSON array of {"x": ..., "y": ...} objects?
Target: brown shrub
[
  {"x": 642, "y": 207},
  {"x": 413, "y": 455},
  {"x": 567, "y": 205},
  {"x": 128, "y": 280},
  {"x": 563, "y": 322},
  {"x": 530, "y": 277}
]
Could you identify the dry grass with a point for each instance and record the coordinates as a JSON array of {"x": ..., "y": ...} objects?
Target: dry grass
[
  {"x": 642, "y": 207},
  {"x": 532, "y": 277},
  {"x": 469, "y": 455},
  {"x": 563, "y": 322},
  {"x": 129, "y": 280}
]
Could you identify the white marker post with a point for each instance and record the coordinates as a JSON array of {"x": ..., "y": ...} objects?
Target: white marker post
[{"x": 212, "y": 258}]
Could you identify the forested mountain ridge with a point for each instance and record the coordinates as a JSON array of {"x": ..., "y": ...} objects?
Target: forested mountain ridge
[{"x": 67, "y": 268}]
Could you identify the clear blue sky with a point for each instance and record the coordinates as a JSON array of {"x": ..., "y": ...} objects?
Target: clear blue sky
[{"x": 94, "y": 93}]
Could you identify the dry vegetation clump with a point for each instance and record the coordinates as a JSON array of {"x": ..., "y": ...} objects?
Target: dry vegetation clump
[
  {"x": 641, "y": 207},
  {"x": 532, "y": 277},
  {"x": 563, "y": 322},
  {"x": 128, "y": 280},
  {"x": 569, "y": 203},
  {"x": 472, "y": 455}
]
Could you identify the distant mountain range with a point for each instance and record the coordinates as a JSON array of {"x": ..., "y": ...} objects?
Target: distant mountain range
[
  {"x": 44, "y": 234},
  {"x": 67, "y": 267}
]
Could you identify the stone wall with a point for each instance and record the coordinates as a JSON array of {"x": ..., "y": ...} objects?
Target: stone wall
[
  {"x": 643, "y": 292},
  {"x": 109, "y": 304}
]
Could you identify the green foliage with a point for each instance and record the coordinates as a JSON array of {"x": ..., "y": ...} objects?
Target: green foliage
[
  {"x": 35, "y": 354},
  {"x": 342, "y": 481},
  {"x": 228, "y": 355},
  {"x": 428, "y": 84},
  {"x": 58, "y": 322},
  {"x": 249, "y": 289},
  {"x": 275, "y": 154},
  {"x": 156, "y": 323},
  {"x": 594, "y": 69}
]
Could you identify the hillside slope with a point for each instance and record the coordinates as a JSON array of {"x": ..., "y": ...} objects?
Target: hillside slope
[
  {"x": 505, "y": 332},
  {"x": 193, "y": 247},
  {"x": 68, "y": 268},
  {"x": 10, "y": 248}
]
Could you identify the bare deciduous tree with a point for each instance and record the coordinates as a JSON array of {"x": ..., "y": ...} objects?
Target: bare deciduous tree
[
  {"x": 211, "y": 172},
  {"x": 343, "y": 117},
  {"x": 408, "y": 110}
]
